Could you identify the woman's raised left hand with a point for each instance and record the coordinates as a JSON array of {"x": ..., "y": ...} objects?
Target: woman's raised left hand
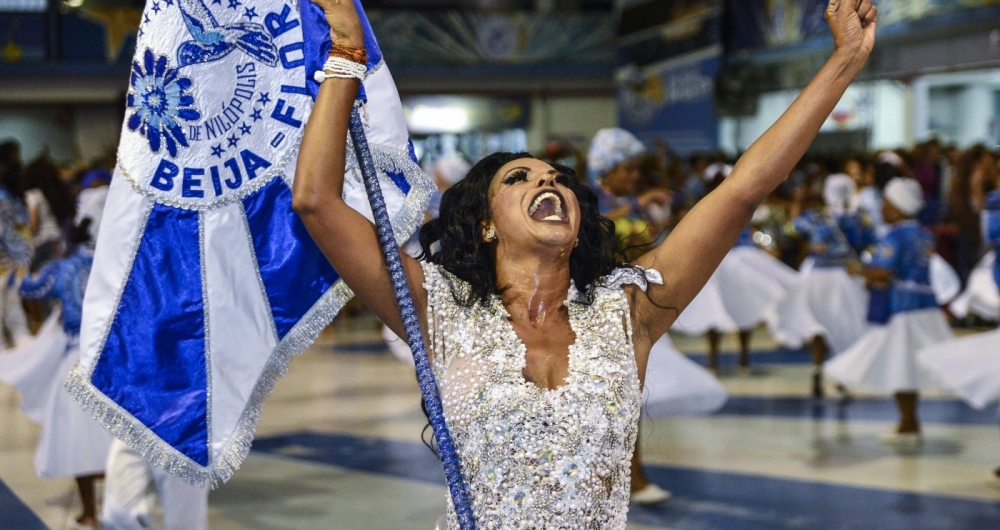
[{"x": 345, "y": 25}]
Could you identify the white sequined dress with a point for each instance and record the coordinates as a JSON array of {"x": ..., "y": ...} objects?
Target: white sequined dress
[{"x": 538, "y": 458}]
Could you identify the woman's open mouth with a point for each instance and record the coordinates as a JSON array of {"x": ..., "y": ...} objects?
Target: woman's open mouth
[{"x": 547, "y": 206}]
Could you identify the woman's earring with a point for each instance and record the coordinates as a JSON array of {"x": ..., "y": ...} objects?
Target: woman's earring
[
  {"x": 577, "y": 243},
  {"x": 491, "y": 234}
]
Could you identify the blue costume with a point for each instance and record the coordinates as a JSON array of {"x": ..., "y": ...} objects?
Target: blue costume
[
  {"x": 607, "y": 201},
  {"x": 828, "y": 302},
  {"x": 66, "y": 280},
  {"x": 858, "y": 230},
  {"x": 15, "y": 248},
  {"x": 828, "y": 245},
  {"x": 906, "y": 252},
  {"x": 991, "y": 227},
  {"x": 746, "y": 238},
  {"x": 884, "y": 359}
]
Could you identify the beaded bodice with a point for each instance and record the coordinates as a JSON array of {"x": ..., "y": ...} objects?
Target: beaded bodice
[{"x": 533, "y": 457}]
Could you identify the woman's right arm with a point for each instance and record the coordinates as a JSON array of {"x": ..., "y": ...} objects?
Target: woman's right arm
[{"x": 348, "y": 240}]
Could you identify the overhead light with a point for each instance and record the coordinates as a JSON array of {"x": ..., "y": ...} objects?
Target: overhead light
[
  {"x": 74, "y": 3},
  {"x": 426, "y": 119}
]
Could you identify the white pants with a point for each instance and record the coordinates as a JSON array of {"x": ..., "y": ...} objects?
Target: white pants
[{"x": 131, "y": 487}]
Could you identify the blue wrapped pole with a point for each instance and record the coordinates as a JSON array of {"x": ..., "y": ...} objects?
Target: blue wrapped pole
[{"x": 414, "y": 336}]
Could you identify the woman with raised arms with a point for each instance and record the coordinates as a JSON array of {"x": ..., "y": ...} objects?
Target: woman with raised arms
[{"x": 538, "y": 330}]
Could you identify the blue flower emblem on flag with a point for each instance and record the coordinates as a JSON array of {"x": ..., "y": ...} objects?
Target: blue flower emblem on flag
[
  {"x": 159, "y": 96},
  {"x": 205, "y": 283}
]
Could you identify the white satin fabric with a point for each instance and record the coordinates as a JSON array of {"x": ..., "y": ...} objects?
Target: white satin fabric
[
  {"x": 884, "y": 359},
  {"x": 678, "y": 386},
  {"x": 968, "y": 366},
  {"x": 981, "y": 296},
  {"x": 71, "y": 443}
]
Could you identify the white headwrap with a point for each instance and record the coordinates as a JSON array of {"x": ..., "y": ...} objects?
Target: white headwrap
[
  {"x": 451, "y": 168},
  {"x": 891, "y": 157},
  {"x": 905, "y": 194},
  {"x": 838, "y": 190},
  {"x": 610, "y": 148}
]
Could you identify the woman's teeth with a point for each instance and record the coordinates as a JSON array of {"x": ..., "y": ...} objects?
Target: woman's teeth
[{"x": 555, "y": 206}]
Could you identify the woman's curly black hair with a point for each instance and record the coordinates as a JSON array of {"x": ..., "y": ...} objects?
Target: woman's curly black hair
[{"x": 454, "y": 239}]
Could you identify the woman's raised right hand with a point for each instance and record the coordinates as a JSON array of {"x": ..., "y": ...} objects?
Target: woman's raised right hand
[{"x": 345, "y": 26}]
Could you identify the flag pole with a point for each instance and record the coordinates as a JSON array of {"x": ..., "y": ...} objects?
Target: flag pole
[{"x": 414, "y": 336}]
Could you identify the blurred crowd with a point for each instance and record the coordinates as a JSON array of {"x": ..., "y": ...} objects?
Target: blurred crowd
[
  {"x": 955, "y": 184},
  {"x": 47, "y": 211}
]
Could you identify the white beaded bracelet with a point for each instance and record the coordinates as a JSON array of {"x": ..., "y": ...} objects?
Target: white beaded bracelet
[{"x": 341, "y": 68}]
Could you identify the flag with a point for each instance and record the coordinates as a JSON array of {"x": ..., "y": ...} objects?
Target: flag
[{"x": 205, "y": 282}]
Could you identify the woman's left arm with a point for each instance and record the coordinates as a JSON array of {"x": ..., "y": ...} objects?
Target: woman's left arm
[{"x": 695, "y": 248}]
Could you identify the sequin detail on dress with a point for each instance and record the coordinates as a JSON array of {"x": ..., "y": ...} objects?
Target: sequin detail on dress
[{"x": 537, "y": 458}]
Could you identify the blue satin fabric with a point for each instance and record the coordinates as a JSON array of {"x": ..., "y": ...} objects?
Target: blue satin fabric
[
  {"x": 399, "y": 179},
  {"x": 316, "y": 38},
  {"x": 294, "y": 271},
  {"x": 991, "y": 227},
  {"x": 162, "y": 382}
]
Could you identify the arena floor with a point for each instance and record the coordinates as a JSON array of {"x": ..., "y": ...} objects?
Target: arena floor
[{"x": 339, "y": 447}]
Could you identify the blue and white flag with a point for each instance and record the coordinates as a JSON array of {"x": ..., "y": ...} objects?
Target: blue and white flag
[{"x": 205, "y": 282}]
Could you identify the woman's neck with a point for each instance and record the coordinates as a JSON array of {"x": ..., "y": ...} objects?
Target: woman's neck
[{"x": 535, "y": 288}]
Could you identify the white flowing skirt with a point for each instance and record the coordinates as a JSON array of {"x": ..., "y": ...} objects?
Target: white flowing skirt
[
  {"x": 944, "y": 280},
  {"x": 751, "y": 283},
  {"x": 981, "y": 296},
  {"x": 968, "y": 366},
  {"x": 884, "y": 359},
  {"x": 678, "y": 386},
  {"x": 706, "y": 312},
  {"x": 827, "y": 302},
  {"x": 397, "y": 345},
  {"x": 72, "y": 443}
]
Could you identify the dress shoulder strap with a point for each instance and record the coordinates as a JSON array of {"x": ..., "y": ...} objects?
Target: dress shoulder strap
[{"x": 633, "y": 275}]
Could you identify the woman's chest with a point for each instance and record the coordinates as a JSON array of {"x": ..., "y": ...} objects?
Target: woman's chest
[
  {"x": 546, "y": 352},
  {"x": 599, "y": 393}
]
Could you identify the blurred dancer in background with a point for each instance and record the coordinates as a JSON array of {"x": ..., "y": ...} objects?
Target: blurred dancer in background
[
  {"x": 741, "y": 293},
  {"x": 50, "y": 208},
  {"x": 970, "y": 366},
  {"x": 72, "y": 443},
  {"x": 613, "y": 166},
  {"x": 827, "y": 308},
  {"x": 94, "y": 188},
  {"x": 15, "y": 246},
  {"x": 884, "y": 359}
]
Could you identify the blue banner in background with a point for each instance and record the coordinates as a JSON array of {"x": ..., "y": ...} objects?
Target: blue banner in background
[{"x": 673, "y": 101}]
